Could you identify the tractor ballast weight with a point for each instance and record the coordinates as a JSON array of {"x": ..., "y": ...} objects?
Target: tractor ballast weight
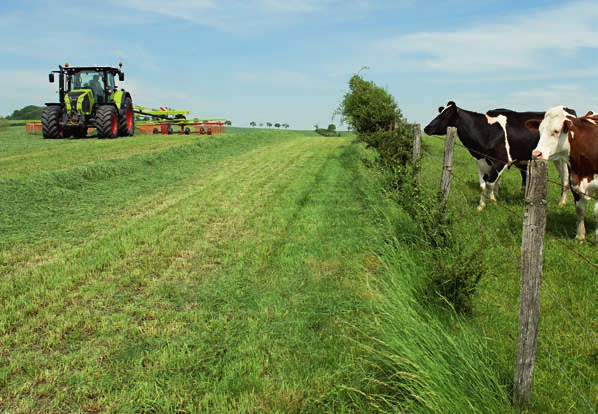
[{"x": 89, "y": 98}]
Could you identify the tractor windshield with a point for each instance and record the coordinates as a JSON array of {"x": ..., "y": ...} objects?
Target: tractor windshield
[{"x": 89, "y": 79}]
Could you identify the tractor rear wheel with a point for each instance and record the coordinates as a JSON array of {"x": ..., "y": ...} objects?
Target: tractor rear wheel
[
  {"x": 107, "y": 122},
  {"x": 51, "y": 126},
  {"x": 126, "y": 121}
]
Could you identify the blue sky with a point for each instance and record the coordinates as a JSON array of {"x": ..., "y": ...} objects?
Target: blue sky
[{"x": 290, "y": 61}]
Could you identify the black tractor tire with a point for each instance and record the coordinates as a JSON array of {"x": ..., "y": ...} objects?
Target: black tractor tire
[
  {"x": 51, "y": 122},
  {"x": 187, "y": 131},
  {"x": 126, "y": 119},
  {"x": 107, "y": 121}
]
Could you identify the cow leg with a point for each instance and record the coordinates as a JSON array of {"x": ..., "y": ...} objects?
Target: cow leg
[
  {"x": 563, "y": 170},
  {"x": 580, "y": 209},
  {"x": 523, "y": 171},
  {"x": 492, "y": 180},
  {"x": 483, "y": 170},
  {"x": 596, "y": 219}
]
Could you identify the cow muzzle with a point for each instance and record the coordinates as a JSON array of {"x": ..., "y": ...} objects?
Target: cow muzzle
[{"x": 537, "y": 155}]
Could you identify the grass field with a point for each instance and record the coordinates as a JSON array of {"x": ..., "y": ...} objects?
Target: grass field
[
  {"x": 566, "y": 373},
  {"x": 261, "y": 271}
]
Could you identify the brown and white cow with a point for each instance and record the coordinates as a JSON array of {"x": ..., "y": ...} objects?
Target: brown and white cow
[{"x": 575, "y": 141}]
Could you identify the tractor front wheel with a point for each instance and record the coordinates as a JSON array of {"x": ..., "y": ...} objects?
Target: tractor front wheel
[
  {"x": 107, "y": 122},
  {"x": 126, "y": 121},
  {"x": 51, "y": 122}
]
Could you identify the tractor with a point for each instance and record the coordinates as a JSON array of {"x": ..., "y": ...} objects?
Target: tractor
[{"x": 89, "y": 98}]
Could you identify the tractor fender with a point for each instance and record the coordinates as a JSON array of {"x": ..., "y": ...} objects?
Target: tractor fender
[{"x": 119, "y": 98}]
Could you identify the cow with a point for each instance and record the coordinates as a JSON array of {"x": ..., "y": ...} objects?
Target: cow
[
  {"x": 574, "y": 141},
  {"x": 497, "y": 140}
]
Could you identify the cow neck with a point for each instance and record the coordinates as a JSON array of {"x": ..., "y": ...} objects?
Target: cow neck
[{"x": 469, "y": 124}]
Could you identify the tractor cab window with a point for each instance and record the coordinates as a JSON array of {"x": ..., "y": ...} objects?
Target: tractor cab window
[
  {"x": 92, "y": 80},
  {"x": 77, "y": 83},
  {"x": 110, "y": 84}
]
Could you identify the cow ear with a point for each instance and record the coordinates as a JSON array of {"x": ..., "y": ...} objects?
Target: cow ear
[
  {"x": 451, "y": 103},
  {"x": 567, "y": 124},
  {"x": 570, "y": 111},
  {"x": 533, "y": 124},
  {"x": 440, "y": 109}
]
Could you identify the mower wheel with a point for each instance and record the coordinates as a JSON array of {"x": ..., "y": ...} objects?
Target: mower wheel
[
  {"x": 107, "y": 121},
  {"x": 51, "y": 126},
  {"x": 126, "y": 119}
]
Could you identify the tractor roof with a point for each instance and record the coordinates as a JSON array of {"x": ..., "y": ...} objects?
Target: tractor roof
[
  {"x": 74, "y": 69},
  {"x": 70, "y": 70}
]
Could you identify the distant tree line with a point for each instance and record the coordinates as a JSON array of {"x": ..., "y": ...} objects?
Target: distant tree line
[
  {"x": 29, "y": 112},
  {"x": 270, "y": 124}
]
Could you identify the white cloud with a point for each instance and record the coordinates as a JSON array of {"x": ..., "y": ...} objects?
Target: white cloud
[{"x": 516, "y": 43}]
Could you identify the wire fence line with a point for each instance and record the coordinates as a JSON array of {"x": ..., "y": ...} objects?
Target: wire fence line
[
  {"x": 513, "y": 306},
  {"x": 512, "y": 303},
  {"x": 588, "y": 333},
  {"x": 512, "y": 165},
  {"x": 518, "y": 215}
]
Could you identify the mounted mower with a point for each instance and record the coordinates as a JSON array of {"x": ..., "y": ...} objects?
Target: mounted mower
[{"x": 89, "y": 98}]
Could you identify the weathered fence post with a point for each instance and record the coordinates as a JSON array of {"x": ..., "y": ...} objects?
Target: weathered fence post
[
  {"x": 417, "y": 145},
  {"x": 447, "y": 167},
  {"x": 532, "y": 245}
]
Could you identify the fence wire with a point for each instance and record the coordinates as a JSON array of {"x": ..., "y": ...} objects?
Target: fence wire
[{"x": 587, "y": 332}]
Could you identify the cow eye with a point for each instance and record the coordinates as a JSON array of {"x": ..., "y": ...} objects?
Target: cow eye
[{"x": 555, "y": 132}]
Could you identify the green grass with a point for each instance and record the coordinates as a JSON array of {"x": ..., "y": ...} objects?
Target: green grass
[
  {"x": 568, "y": 348},
  {"x": 258, "y": 271},
  {"x": 203, "y": 276}
]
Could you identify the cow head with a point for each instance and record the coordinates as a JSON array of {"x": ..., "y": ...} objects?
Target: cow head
[
  {"x": 554, "y": 133},
  {"x": 447, "y": 117}
]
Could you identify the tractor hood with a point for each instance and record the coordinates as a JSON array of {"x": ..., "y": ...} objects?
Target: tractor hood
[{"x": 79, "y": 100}]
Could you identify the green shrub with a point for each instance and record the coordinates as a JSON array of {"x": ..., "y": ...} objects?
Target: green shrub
[
  {"x": 454, "y": 276},
  {"x": 327, "y": 132}
]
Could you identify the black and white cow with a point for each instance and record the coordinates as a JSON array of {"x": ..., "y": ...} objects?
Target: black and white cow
[{"x": 497, "y": 140}]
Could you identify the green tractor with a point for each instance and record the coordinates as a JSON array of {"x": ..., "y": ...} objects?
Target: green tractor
[{"x": 89, "y": 98}]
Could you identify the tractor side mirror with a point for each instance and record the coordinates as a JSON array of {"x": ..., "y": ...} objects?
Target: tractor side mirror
[
  {"x": 121, "y": 76},
  {"x": 51, "y": 78}
]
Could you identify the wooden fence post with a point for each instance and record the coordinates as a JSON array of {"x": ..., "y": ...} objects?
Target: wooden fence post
[
  {"x": 417, "y": 145},
  {"x": 447, "y": 167},
  {"x": 532, "y": 245}
]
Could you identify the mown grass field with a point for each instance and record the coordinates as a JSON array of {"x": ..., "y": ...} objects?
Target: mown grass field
[{"x": 261, "y": 271}]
